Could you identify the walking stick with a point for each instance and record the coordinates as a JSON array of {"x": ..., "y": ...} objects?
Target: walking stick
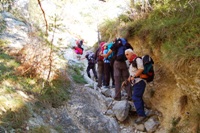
[{"x": 124, "y": 83}]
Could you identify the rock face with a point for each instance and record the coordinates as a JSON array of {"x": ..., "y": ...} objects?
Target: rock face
[
  {"x": 82, "y": 113},
  {"x": 174, "y": 92},
  {"x": 87, "y": 108},
  {"x": 16, "y": 32}
]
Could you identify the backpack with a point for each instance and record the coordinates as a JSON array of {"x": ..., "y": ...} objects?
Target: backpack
[
  {"x": 100, "y": 49},
  {"x": 148, "y": 73},
  {"x": 80, "y": 51},
  {"x": 91, "y": 58},
  {"x": 120, "y": 56}
]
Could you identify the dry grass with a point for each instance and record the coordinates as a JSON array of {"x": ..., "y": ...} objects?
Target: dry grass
[{"x": 34, "y": 61}]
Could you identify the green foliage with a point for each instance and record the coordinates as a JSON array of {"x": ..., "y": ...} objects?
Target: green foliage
[
  {"x": 16, "y": 106},
  {"x": 175, "y": 122},
  {"x": 108, "y": 30},
  {"x": 124, "y": 18},
  {"x": 15, "y": 118},
  {"x": 41, "y": 129},
  {"x": 7, "y": 66},
  {"x": 2, "y": 27},
  {"x": 179, "y": 31},
  {"x": 59, "y": 129},
  {"x": 133, "y": 28},
  {"x": 6, "y": 5},
  {"x": 75, "y": 71},
  {"x": 173, "y": 28},
  {"x": 56, "y": 91}
]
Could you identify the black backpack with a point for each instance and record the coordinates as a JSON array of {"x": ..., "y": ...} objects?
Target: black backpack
[
  {"x": 148, "y": 73},
  {"x": 91, "y": 58}
]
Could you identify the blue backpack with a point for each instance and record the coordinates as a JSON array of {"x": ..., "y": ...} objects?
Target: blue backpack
[{"x": 120, "y": 56}]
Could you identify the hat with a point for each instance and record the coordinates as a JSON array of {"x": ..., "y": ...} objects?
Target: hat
[
  {"x": 105, "y": 44},
  {"x": 102, "y": 43}
]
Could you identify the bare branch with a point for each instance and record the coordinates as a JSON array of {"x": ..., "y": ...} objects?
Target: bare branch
[{"x": 43, "y": 16}]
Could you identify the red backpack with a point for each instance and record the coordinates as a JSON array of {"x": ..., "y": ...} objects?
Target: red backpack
[
  {"x": 101, "y": 49},
  {"x": 79, "y": 50}
]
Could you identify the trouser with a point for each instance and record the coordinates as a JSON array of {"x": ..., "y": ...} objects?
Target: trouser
[
  {"x": 91, "y": 66},
  {"x": 107, "y": 73},
  {"x": 100, "y": 73},
  {"x": 121, "y": 74},
  {"x": 138, "y": 91},
  {"x": 112, "y": 71}
]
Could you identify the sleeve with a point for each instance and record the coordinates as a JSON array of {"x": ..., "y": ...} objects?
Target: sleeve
[
  {"x": 105, "y": 51},
  {"x": 86, "y": 56},
  {"x": 114, "y": 47}
]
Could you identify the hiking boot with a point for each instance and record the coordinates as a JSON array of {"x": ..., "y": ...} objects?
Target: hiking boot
[
  {"x": 99, "y": 86},
  {"x": 117, "y": 99},
  {"x": 129, "y": 99},
  {"x": 105, "y": 87},
  {"x": 140, "y": 119}
]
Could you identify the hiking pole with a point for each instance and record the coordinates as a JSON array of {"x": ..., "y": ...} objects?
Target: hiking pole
[
  {"x": 122, "y": 87},
  {"x": 109, "y": 106}
]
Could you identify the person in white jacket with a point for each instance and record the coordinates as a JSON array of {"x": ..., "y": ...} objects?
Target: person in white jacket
[{"x": 138, "y": 84}]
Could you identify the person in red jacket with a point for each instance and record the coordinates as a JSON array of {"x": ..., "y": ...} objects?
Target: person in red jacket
[
  {"x": 100, "y": 65},
  {"x": 78, "y": 50}
]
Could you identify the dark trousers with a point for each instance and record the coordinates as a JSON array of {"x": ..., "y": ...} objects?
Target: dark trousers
[
  {"x": 91, "y": 66},
  {"x": 138, "y": 91},
  {"x": 100, "y": 67},
  {"x": 107, "y": 73},
  {"x": 112, "y": 71}
]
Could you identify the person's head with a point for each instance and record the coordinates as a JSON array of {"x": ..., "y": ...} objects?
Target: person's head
[
  {"x": 129, "y": 54},
  {"x": 105, "y": 46},
  {"x": 101, "y": 44}
]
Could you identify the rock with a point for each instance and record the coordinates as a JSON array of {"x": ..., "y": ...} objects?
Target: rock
[
  {"x": 151, "y": 125},
  {"x": 121, "y": 110},
  {"x": 140, "y": 127},
  {"x": 106, "y": 92}
]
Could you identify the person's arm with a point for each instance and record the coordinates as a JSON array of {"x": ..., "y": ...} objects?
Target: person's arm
[
  {"x": 106, "y": 55},
  {"x": 139, "y": 71},
  {"x": 137, "y": 74}
]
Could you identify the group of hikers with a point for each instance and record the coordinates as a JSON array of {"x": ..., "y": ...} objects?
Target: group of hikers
[{"x": 111, "y": 64}]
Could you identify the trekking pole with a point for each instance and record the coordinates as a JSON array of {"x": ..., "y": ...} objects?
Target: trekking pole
[{"x": 109, "y": 106}]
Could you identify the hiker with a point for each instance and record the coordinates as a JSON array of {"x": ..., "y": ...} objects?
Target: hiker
[
  {"x": 91, "y": 65},
  {"x": 78, "y": 50},
  {"x": 79, "y": 44},
  {"x": 111, "y": 59},
  {"x": 100, "y": 65},
  {"x": 138, "y": 84},
  {"x": 107, "y": 67},
  {"x": 120, "y": 67}
]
